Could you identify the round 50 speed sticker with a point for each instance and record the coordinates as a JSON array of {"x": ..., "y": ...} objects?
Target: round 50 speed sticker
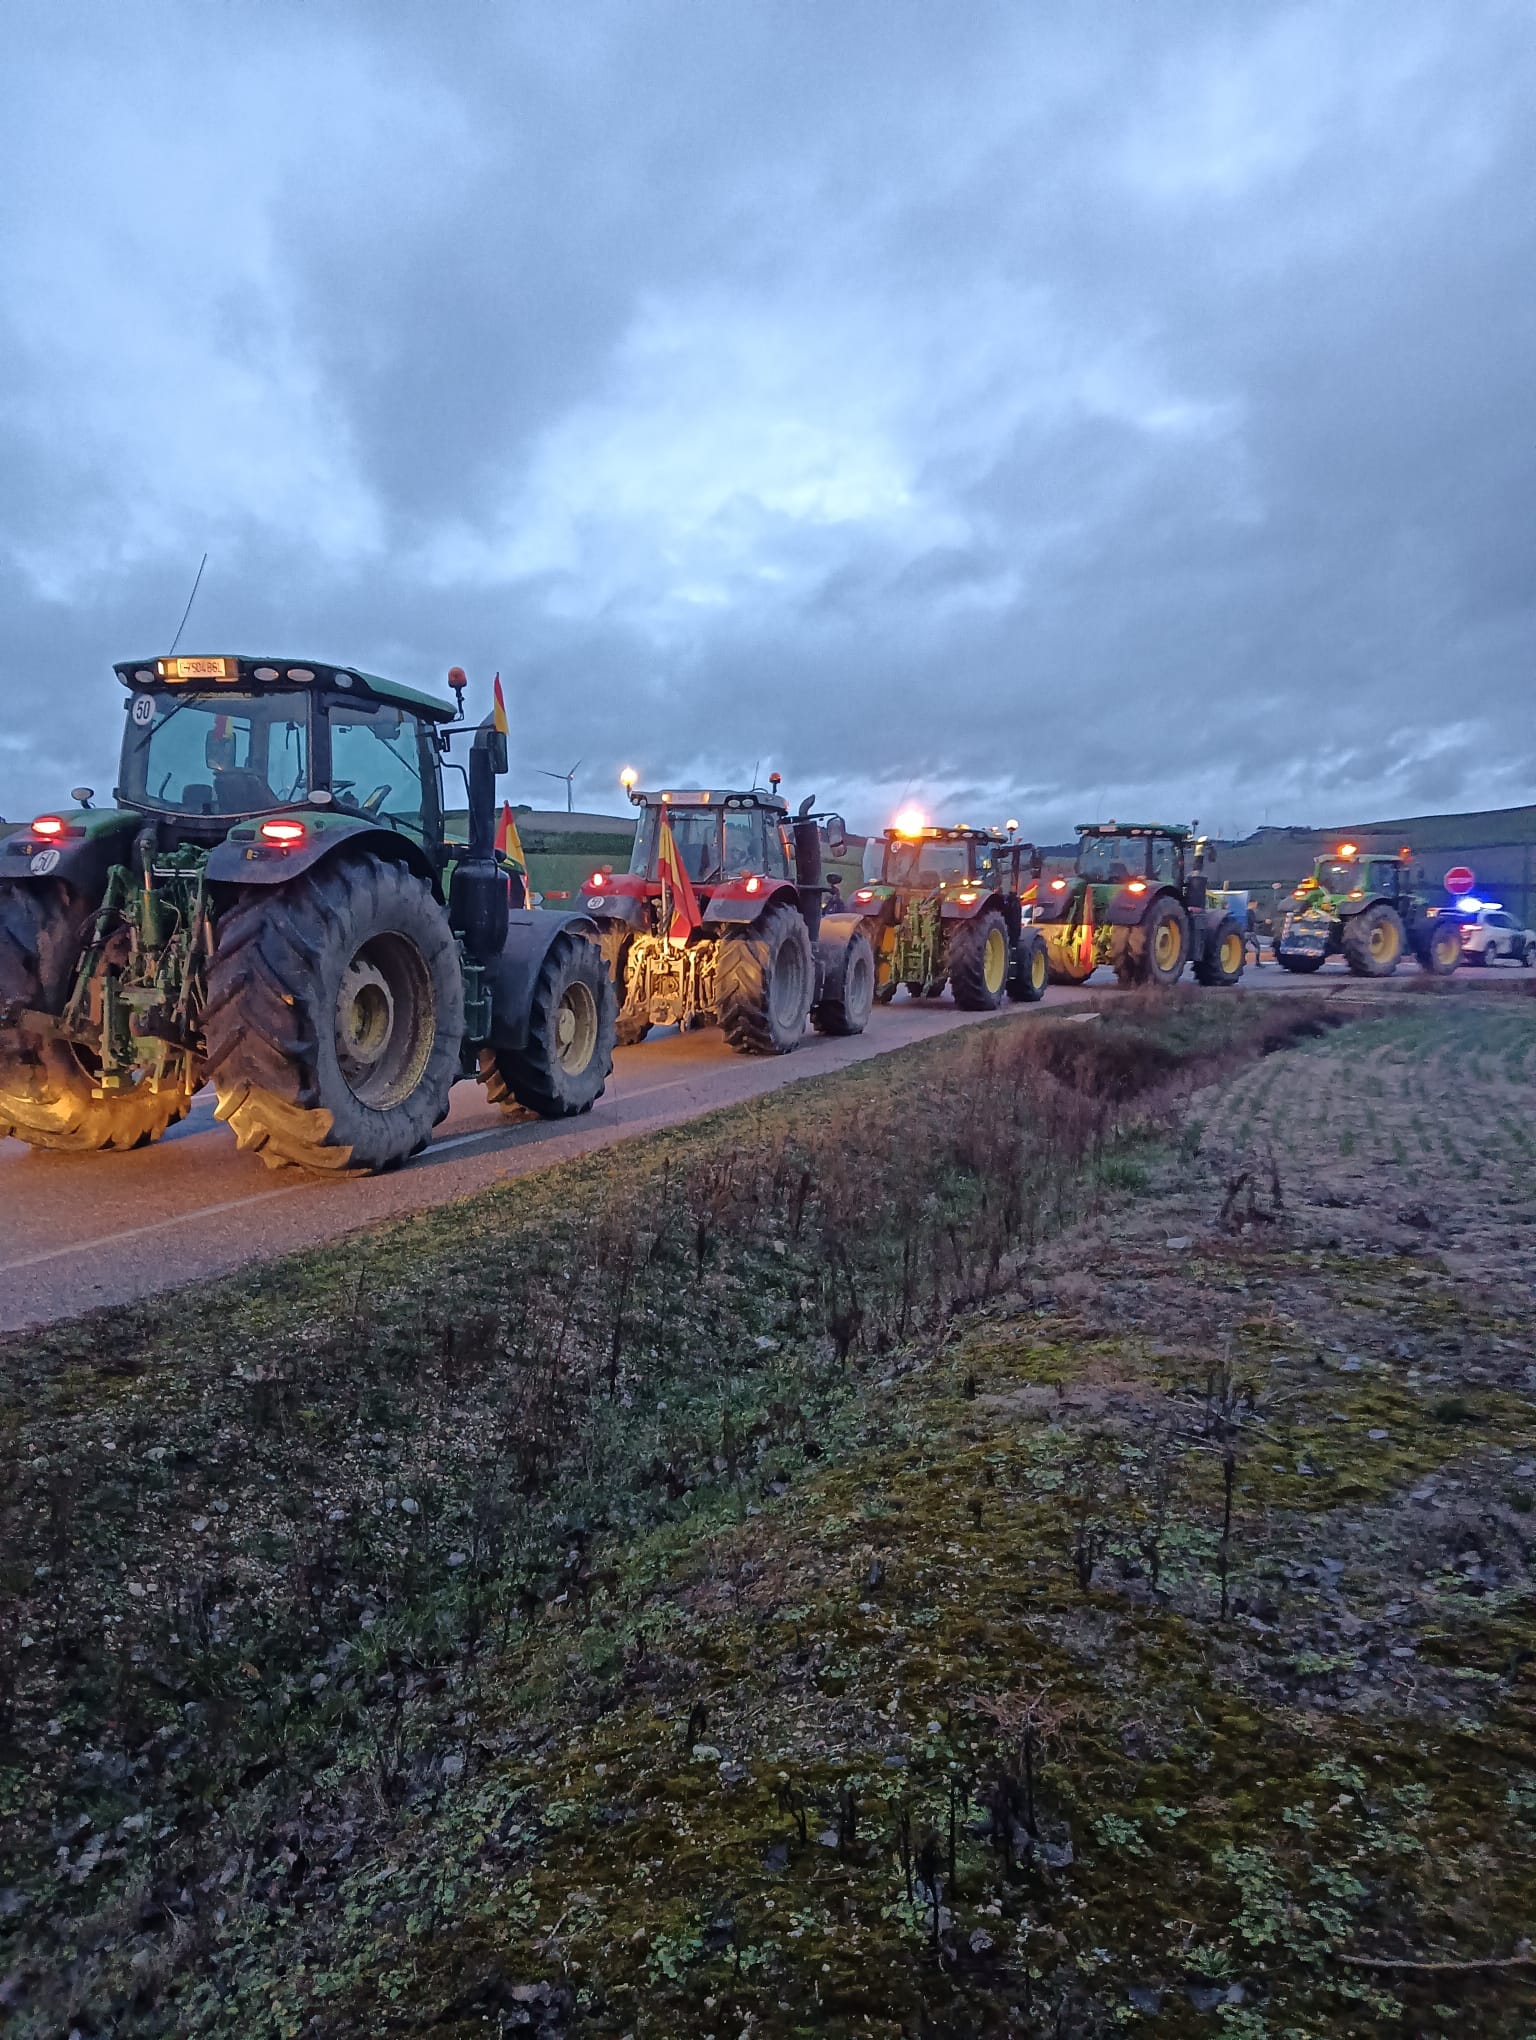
[
  {"x": 143, "y": 709},
  {"x": 44, "y": 861}
]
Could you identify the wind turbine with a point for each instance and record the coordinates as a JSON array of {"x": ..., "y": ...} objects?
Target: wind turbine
[{"x": 569, "y": 778}]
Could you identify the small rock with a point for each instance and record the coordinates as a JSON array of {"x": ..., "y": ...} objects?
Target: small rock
[
  {"x": 764, "y": 1344},
  {"x": 895, "y": 1763},
  {"x": 732, "y": 1773},
  {"x": 828, "y": 1838},
  {"x": 1179, "y": 1246},
  {"x": 410, "y": 1507},
  {"x": 222, "y": 1508},
  {"x": 136, "y": 1590},
  {"x": 317, "y": 1683},
  {"x": 199, "y": 1524},
  {"x": 705, "y": 1753},
  {"x": 458, "y": 1558},
  {"x": 981, "y": 1942},
  {"x": 1377, "y": 1436},
  {"x": 453, "y": 1764},
  {"x": 1351, "y": 1364}
]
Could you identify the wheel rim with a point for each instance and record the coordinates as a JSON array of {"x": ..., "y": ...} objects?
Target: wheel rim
[
  {"x": 575, "y": 1028},
  {"x": 1447, "y": 946},
  {"x": 1231, "y": 957},
  {"x": 1039, "y": 969},
  {"x": 994, "y": 960},
  {"x": 1383, "y": 942},
  {"x": 384, "y": 1021},
  {"x": 1166, "y": 944},
  {"x": 787, "y": 994}
]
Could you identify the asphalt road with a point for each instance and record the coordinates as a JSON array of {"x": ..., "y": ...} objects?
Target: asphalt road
[{"x": 78, "y": 1231}]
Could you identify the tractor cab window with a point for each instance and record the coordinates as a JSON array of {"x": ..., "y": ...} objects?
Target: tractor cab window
[
  {"x": 920, "y": 860},
  {"x": 696, "y": 831},
  {"x": 1112, "y": 859},
  {"x": 216, "y": 754},
  {"x": 780, "y": 860},
  {"x": 377, "y": 763},
  {"x": 745, "y": 848},
  {"x": 1381, "y": 875},
  {"x": 1338, "y": 878},
  {"x": 1164, "y": 861}
]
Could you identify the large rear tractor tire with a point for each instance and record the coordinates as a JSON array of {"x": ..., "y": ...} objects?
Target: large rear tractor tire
[
  {"x": 1031, "y": 971},
  {"x": 572, "y": 1023},
  {"x": 1373, "y": 941},
  {"x": 1222, "y": 963},
  {"x": 1440, "y": 951},
  {"x": 845, "y": 1007},
  {"x": 1157, "y": 948},
  {"x": 765, "y": 980},
  {"x": 49, "y": 1088},
  {"x": 978, "y": 962},
  {"x": 335, "y": 1011}
]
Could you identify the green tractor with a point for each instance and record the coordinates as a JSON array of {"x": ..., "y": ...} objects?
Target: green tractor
[
  {"x": 1140, "y": 899},
  {"x": 272, "y": 907},
  {"x": 946, "y": 906},
  {"x": 1361, "y": 905}
]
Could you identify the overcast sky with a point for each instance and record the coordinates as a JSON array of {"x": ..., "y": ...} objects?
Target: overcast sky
[{"x": 1054, "y": 412}]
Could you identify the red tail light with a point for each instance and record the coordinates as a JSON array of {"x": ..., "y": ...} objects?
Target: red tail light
[
  {"x": 1058, "y": 885},
  {"x": 596, "y": 882},
  {"x": 286, "y": 833},
  {"x": 1137, "y": 885},
  {"x": 48, "y": 825},
  {"x": 864, "y": 893},
  {"x": 754, "y": 884}
]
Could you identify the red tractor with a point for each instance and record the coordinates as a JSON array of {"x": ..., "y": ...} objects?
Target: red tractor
[{"x": 719, "y": 918}]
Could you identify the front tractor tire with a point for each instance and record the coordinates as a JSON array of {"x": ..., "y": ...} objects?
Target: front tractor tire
[
  {"x": 765, "y": 980},
  {"x": 572, "y": 1024},
  {"x": 50, "y": 1094},
  {"x": 978, "y": 962},
  {"x": 1373, "y": 941},
  {"x": 335, "y": 1010},
  {"x": 1031, "y": 969},
  {"x": 1222, "y": 963},
  {"x": 1157, "y": 948}
]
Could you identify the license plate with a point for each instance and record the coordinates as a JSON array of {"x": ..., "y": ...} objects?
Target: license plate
[{"x": 200, "y": 669}]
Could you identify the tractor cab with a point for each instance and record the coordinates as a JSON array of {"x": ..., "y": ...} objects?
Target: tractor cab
[
  {"x": 935, "y": 858},
  {"x": 719, "y": 835},
  {"x": 1352, "y": 875},
  {"x": 211, "y": 742},
  {"x": 1136, "y": 854}
]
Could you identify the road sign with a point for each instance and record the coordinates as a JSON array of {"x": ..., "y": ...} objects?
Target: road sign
[{"x": 1460, "y": 879}]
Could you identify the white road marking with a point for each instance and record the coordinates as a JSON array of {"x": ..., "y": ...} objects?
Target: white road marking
[{"x": 136, "y": 1232}]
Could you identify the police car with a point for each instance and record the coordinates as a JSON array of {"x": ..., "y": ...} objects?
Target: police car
[{"x": 1489, "y": 935}]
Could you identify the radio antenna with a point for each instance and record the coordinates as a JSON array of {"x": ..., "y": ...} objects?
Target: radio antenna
[{"x": 175, "y": 641}]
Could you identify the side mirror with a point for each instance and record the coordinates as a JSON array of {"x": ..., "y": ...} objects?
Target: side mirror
[
  {"x": 837, "y": 836},
  {"x": 1036, "y": 864},
  {"x": 84, "y": 794},
  {"x": 492, "y": 742}
]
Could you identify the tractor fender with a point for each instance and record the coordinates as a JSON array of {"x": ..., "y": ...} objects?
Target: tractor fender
[
  {"x": 951, "y": 909},
  {"x": 244, "y": 859},
  {"x": 871, "y": 908},
  {"x": 531, "y": 932},
  {"x": 92, "y": 843},
  {"x": 1128, "y": 910},
  {"x": 732, "y": 902},
  {"x": 618, "y": 910}
]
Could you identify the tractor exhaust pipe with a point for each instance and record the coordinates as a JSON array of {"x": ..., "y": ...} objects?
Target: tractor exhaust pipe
[
  {"x": 478, "y": 898},
  {"x": 808, "y": 873}
]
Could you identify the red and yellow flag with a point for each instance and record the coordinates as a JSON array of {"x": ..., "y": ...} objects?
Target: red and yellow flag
[
  {"x": 508, "y": 842},
  {"x": 1085, "y": 940},
  {"x": 499, "y": 713},
  {"x": 685, "y": 902}
]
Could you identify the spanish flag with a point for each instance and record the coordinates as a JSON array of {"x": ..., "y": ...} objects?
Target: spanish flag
[
  {"x": 508, "y": 842},
  {"x": 499, "y": 714},
  {"x": 673, "y": 873}
]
